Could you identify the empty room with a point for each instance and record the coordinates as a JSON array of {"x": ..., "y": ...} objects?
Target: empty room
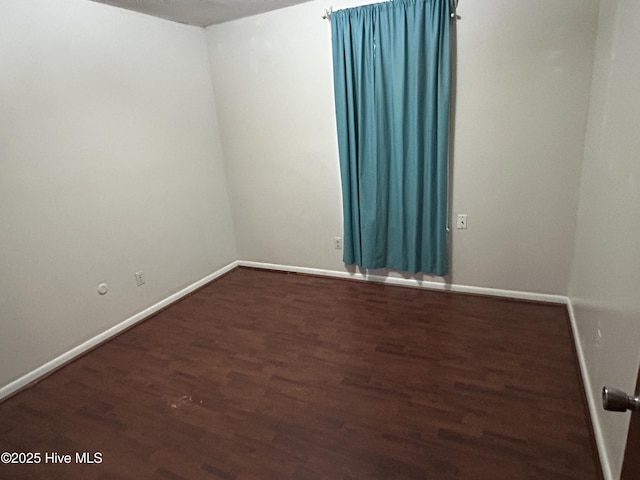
[{"x": 312, "y": 240}]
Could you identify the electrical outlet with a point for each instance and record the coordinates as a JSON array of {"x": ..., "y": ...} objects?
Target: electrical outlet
[
  {"x": 139, "y": 278},
  {"x": 462, "y": 221},
  {"x": 337, "y": 243}
]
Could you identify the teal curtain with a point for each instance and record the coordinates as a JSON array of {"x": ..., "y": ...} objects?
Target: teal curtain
[{"x": 392, "y": 76}]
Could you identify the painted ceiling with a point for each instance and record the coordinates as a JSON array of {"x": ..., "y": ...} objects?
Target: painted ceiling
[{"x": 201, "y": 13}]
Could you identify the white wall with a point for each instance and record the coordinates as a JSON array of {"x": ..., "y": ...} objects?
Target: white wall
[
  {"x": 109, "y": 163},
  {"x": 524, "y": 71},
  {"x": 522, "y": 98},
  {"x": 605, "y": 280},
  {"x": 273, "y": 85}
]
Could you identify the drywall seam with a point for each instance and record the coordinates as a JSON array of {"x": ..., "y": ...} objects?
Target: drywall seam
[{"x": 75, "y": 352}]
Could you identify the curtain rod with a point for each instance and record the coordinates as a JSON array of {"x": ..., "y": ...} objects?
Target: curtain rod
[{"x": 454, "y": 16}]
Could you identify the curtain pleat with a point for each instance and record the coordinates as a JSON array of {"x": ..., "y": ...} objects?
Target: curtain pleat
[{"x": 392, "y": 77}]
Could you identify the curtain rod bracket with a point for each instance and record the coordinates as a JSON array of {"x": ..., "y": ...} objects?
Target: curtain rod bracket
[{"x": 454, "y": 14}]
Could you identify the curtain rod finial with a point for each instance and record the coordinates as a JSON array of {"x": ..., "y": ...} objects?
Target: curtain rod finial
[
  {"x": 327, "y": 13},
  {"x": 454, "y": 7}
]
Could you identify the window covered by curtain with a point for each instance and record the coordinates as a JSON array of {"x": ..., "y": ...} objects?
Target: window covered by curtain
[{"x": 391, "y": 64}]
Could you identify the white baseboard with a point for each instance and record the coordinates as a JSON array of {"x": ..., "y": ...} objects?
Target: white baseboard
[
  {"x": 412, "y": 282},
  {"x": 407, "y": 282},
  {"x": 593, "y": 401},
  {"x": 66, "y": 357}
]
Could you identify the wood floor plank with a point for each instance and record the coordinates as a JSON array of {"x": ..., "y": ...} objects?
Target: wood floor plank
[{"x": 268, "y": 375}]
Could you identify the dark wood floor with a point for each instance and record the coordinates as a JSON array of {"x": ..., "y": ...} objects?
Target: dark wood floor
[{"x": 265, "y": 375}]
